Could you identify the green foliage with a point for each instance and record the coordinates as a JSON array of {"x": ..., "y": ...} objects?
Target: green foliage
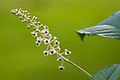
[
  {"x": 109, "y": 28},
  {"x": 109, "y": 73}
]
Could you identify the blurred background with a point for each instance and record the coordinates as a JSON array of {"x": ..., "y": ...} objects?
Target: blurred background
[{"x": 21, "y": 59}]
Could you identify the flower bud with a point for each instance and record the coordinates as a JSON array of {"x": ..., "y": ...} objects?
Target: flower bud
[
  {"x": 39, "y": 39},
  {"x": 34, "y": 34},
  {"x": 45, "y": 27},
  {"x": 59, "y": 59},
  {"x": 67, "y": 52},
  {"x": 37, "y": 43},
  {"x": 55, "y": 38},
  {"x": 56, "y": 43},
  {"x": 45, "y": 32},
  {"x": 46, "y": 41},
  {"x": 52, "y": 52},
  {"x": 46, "y": 53},
  {"x": 61, "y": 67}
]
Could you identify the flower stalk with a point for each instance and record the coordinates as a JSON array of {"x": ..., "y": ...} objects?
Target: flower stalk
[{"x": 41, "y": 33}]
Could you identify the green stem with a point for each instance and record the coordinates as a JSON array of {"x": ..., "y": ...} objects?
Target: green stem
[
  {"x": 77, "y": 66},
  {"x": 83, "y": 70}
]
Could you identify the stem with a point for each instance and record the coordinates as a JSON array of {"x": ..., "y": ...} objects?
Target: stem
[
  {"x": 83, "y": 70},
  {"x": 77, "y": 66}
]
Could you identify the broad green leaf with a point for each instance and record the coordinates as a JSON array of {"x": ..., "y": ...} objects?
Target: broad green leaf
[
  {"x": 109, "y": 73},
  {"x": 109, "y": 28}
]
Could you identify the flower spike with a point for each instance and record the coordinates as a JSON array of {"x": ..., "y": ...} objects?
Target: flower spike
[{"x": 42, "y": 34}]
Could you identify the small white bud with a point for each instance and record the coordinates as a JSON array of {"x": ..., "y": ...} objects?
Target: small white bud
[
  {"x": 17, "y": 14},
  {"x": 16, "y": 10},
  {"x": 33, "y": 17},
  {"x": 46, "y": 41},
  {"x": 13, "y": 11},
  {"x": 37, "y": 43},
  {"x": 46, "y": 53},
  {"x": 26, "y": 11},
  {"x": 67, "y": 52},
  {"x": 45, "y": 32},
  {"x": 56, "y": 43},
  {"x": 28, "y": 19},
  {"x": 20, "y": 17},
  {"x": 23, "y": 21},
  {"x": 55, "y": 38},
  {"x": 29, "y": 16},
  {"x": 45, "y": 27},
  {"x": 39, "y": 23},
  {"x": 31, "y": 24},
  {"x": 39, "y": 39},
  {"x": 28, "y": 26},
  {"x": 52, "y": 52},
  {"x": 59, "y": 59},
  {"x": 36, "y": 18},
  {"x": 50, "y": 36},
  {"x": 61, "y": 67},
  {"x": 34, "y": 34}
]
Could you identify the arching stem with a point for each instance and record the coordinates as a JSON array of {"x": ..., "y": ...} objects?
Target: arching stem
[{"x": 74, "y": 64}]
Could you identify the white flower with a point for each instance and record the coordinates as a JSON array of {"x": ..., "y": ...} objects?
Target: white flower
[
  {"x": 29, "y": 15},
  {"x": 34, "y": 34},
  {"x": 67, "y": 52},
  {"x": 52, "y": 51},
  {"x": 39, "y": 23},
  {"x": 45, "y": 27},
  {"x": 56, "y": 43},
  {"x": 37, "y": 43},
  {"x": 16, "y": 10},
  {"x": 59, "y": 59},
  {"x": 39, "y": 39},
  {"x": 46, "y": 53},
  {"x": 24, "y": 20},
  {"x": 46, "y": 41},
  {"x": 26, "y": 11},
  {"x": 20, "y": 17},
  {"x": 45, "y": 32},
  {"x": 33, "y": 18},
  {"x": 36, "y": 18},
  {"x": 61, "y": 67},
  {"x": 54, "y": 38},
  {"x": 28, "y": 26}
]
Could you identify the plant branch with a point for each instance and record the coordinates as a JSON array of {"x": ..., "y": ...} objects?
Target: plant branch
[
  {"x": 52, "y": 44},
  {"x": 75, "y": 65}
]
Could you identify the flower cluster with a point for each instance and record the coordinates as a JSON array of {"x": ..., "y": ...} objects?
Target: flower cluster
[{"x": 41, "y": 33}]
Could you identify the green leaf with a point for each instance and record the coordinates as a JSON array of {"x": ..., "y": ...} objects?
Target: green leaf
[
  {"x": 109, "y": 73},
  {"x": 109, "y": 28}
]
